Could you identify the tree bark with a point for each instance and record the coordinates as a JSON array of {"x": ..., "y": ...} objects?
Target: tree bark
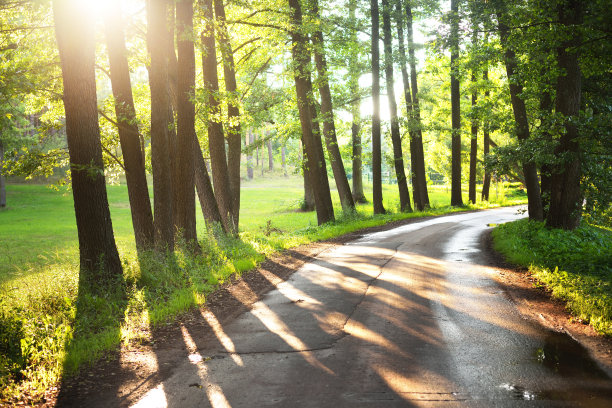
[
  {"x": 206, "y": 195},
  {"x": 486, "y": 184},
  {"x": 456, "y": 199},
  {"x": 419, "y": 164},
  {"x": 2, "y": 178},
  {"x": 534, "y": 205},
  {"x": 129, "y": 136},
  {"x": 354, "y": 74},
  {"x": 216, "y": 141},
  {"x": 186, "y": 135},
  {"x": 396, "y": 139},
  {"x": 99, "y": 259},
  {"x": 566, "y": 196},
  {"x": 473, "y": 146},
  {"x": 309, "y": 200},
  {"x": 327, "y": 115},
  {"x": 312, "y": 139},
  {"x": 160, "y": 145},
  {"x": 234, "y": 138},
  {"x": 546, "y": 107},
  {"x": 376, "y": 147}
]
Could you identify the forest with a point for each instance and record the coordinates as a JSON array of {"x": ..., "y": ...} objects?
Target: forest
[{"x": 380, "y": 110}]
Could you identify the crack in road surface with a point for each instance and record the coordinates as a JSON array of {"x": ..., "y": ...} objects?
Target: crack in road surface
[{"x": 407, "y": 317}]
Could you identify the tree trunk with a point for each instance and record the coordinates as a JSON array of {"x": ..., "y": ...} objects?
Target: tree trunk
[
  {"x": 354, "y": 74},
  {"x": 284, "y": 160},
  {"x": 327, "y": 115},
  {"x": 2, "y": 179},
  {"x": 234, "y": 137},
  {"x": 473, "y": 146},
  {"x": 486, "y": 184},
  {"x": 270, "y": 156},
  {"x": 456, "y": 199},
  {"x": 160, "y": 145},
  {"x": 309, "y": 200},
  {"x": 206, "y": 195},
  {"x": 216, "y": 141},
  {"x": 99, "y": 259},
  {"x": 566, "y": 196},
  {"x": 419, "y": 168},
  {"x": 312, "y": 139},
  {"x": 416, "y": 191},
  {"x": 534, "y": 205},
  {"x": 250, "y": 139},
  {"x": 546, "y": 108},
  {"x": 129, "y": 136},
  {"x": 376, "y": 148},
  {"x": 186, "y": 135},
  {"x": 398, "y": 159}
]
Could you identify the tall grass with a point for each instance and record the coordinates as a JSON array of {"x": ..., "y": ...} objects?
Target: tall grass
[{"x": 51, "y": 325}]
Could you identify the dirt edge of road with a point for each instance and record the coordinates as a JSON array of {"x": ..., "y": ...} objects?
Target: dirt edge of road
[{"x": 122, "y": 377}]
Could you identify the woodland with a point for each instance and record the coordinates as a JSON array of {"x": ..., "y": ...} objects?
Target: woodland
[{"x": 183, "y": 101}]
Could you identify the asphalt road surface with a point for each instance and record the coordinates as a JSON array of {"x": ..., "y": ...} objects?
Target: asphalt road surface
[{"x": 401, "y": 318}]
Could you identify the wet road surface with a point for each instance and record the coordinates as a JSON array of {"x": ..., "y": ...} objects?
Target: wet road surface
[{"x": 409, "y": 317}]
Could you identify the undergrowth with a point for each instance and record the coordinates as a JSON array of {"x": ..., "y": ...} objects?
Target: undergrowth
[{"x": 575, "y": 266}]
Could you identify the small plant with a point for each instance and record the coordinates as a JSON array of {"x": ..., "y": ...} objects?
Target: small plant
[{"x": 268, "y": 229}]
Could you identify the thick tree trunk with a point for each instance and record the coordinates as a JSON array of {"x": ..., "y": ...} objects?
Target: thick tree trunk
[
  {"x": 396, "y": 139},
  {"x": 566, "y": 196},
  {"x": 206, "y": 195},
  {"x": 377, "y": 197},
  {"x": 419, "y": 168},
  {"x": 486, "y": 184},
  {"x": 456, "y": 199},
  {"x": 416, "y": 191},
  {"x": 534, "y": 205},
  {"x": 2, "y": 178},
  {"x": 250, "y": 139},
  {"x": 216, "y": 141},
  {"x": 129, "y": 136},
  {"x": 473, "y": 147},
  {"x": 327, "y": 115},
  {"x": 311, "y": 137},
  {"x": 99, "y": 260},
  {"x": 234, "y": 137},
  {"x": 546, "y": 107},
  {"x": 160, "y": 145},
  {"x": 354, "y": 74},
  {"x": 309, "y": 199},
  {"x": 186, "y": 135}
]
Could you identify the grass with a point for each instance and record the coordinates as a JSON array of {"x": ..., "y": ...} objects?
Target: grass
[
  {"x": 575, "y": 266},
  {"x": 50, "y": 324}
]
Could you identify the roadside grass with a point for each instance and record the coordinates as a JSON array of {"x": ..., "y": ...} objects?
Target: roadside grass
[
  {"x": 50, "y": 325},
  {"x": 575, "y": 266}
]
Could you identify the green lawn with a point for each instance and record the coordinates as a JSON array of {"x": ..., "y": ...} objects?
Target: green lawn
[{"x": 49, "y": 327}]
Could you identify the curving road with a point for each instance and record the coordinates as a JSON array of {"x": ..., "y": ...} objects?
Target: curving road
[{"x": 400, "y": 318}]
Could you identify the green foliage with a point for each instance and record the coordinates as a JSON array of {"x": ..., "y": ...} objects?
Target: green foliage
[{"x": 575, "y": 265}]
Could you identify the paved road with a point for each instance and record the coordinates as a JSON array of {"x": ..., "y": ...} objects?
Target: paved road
[{"x": 401, "y": 318}]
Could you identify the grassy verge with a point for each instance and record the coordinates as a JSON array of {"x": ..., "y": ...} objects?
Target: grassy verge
[
  {"x": 50, "y": 325},
  {"x": 575, "y": 265}
]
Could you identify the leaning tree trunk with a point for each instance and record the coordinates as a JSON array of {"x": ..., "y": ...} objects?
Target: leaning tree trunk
[
  {"x": 234, "y": 138},
  {"x": 216, "y": 141},
  {"x": 303, "y": 87},
  {"x": 327, "y": 114},
  {"x": 354, "y": 89},
  {"x": 566, "y": 196},
  {"x": 160, "y": 146},
  {"x": 309, "y": 200},
  {"x": 129, "y": 136},
  {"x": 376, "y": 148},
  {"x": 419, "y": 168},
  {"x": 396, "y": 139},
  {"x": 99, "y": 259},
  {"x": 534, "y": 204},
  {"x": 486, "y": 184},
  {"x": 473, "y": 145},
  {"x": 456, "y": 199},
  {"x": 206, "y": 195}
]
